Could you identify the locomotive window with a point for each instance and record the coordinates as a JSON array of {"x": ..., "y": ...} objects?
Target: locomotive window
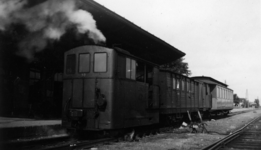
[
  {"x": 70, "y": 64},
  {"x": 84, "y": 62},
  {"x": 133, "y": 69},
  {"x": 149, "y": 74},
  {"x": 100, "y": 62},
  {"x": 173, "y": 83},
  {"x": 140, "y": 72},
  {"x": 130, "y": 68}
]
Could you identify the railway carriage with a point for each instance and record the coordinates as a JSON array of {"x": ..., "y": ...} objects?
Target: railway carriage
[
  {"x": 221, "y": 97},
  {"x": 180, "y": 94}
]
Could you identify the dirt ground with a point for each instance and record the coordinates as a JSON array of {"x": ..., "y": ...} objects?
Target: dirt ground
[{"x": 183, "y": 139}]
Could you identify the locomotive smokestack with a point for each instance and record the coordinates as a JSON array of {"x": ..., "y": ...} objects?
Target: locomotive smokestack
[{"x": 46, "y": 21}]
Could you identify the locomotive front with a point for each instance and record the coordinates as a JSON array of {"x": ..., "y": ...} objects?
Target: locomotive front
[{"x": 88, "y": 88}]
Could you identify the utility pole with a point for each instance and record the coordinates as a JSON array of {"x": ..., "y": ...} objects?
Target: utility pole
[
  {"x": 246, "y": 95},
  {"x": 246, "y": 98}
]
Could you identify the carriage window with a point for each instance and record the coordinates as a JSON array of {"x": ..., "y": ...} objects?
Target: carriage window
[
  {"x": 218, "y": 92},
  {"x": 70, "y": 64},
  {"x": 173, "y": 83},
  {"x": 100, "y": 62},
  {"x": 84, "y": 62},
  {"x": 188, "y": 86},
  {"x": 178, "y": 84},
  {"x": 130, "y": 68},
  {"x": 228, "y": 94},
  {"x": 182, "y": 85},
  {"x": 222, "y": 96}
]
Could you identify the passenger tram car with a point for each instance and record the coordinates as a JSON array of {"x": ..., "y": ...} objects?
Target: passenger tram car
[{"x": 107, "y": 89}]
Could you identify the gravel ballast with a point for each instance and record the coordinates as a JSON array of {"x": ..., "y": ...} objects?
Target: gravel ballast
[{"x": 183, "y": 139}]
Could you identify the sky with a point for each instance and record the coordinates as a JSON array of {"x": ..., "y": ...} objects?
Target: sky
[{"x": 221, "y": 38}]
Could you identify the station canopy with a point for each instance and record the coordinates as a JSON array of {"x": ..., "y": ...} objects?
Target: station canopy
[
  {"x": 119, "y": 32},
  {"x": 122, "y": 33}
]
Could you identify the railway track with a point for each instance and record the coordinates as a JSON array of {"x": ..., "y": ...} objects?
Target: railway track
[
  {"x": 80, "y": 144},
  {"x": 57, "y": 144},
  {"x": 247, "y": 138},
  {"x": 68, "y": 144},
  {"x": 32, "y": 142}
]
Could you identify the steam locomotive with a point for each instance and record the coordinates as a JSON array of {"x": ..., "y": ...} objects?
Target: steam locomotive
[{"x": 105, "y": 89}]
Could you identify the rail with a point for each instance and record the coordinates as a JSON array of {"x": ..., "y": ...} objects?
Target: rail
[{"x": 230, "y": 137}]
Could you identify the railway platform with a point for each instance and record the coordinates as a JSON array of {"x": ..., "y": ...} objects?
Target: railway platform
[
  {"x": 15, "y": 129},
  {"x": 19, "y": 129},
  {"x": 236, "y": 109}
]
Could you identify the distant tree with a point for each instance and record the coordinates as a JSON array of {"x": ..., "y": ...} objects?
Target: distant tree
[
  {"x": 257, "y": 102},
  {"x": 178, "y": 66}
]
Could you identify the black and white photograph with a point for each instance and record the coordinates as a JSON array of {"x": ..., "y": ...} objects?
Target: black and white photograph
[{"x": 130, "y": 74}]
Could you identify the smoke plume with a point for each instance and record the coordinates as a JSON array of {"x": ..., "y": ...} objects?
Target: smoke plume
[{"x": 47, "y": 21}]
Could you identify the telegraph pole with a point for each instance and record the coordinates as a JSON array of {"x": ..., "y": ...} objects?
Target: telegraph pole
[
  {"x": 246, "y": 95},
  {"x": 246, "y": 98}
]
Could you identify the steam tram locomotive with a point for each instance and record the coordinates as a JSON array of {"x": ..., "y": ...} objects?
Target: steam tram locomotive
[{"x": 108, "y": 89}]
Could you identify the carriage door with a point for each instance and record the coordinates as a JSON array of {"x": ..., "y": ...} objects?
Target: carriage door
[{"x": 154, "y": 90}]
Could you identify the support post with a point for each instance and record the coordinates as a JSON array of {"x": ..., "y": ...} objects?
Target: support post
[
  {"x": 189, "y": 116},
  {"x": 202, "y": 124},
  {"x": 200, "y": 116}
]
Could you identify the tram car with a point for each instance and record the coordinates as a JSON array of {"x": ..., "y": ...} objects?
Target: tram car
[{"x": 106, "y": 89}]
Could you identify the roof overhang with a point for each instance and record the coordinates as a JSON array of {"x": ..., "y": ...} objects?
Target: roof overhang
[
  {"x": 122, "y": 33},
  {"x": 209, "y": 80},
  {"x": 118, "y": 31}
]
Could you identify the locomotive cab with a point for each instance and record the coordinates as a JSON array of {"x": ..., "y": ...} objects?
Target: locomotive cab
[
  {"x": 88, "y": 74},
  {"x": 108, "y": 89}
]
